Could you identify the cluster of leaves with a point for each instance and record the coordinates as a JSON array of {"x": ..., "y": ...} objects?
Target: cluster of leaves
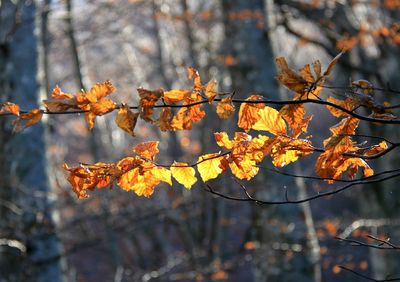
[{"x": 281, "y": 134}]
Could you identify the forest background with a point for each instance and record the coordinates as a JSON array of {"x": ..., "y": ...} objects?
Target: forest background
[{"x": 47, "y": 234}]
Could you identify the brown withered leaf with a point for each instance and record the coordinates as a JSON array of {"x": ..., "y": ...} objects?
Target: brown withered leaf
[
  {"x": 289, "y": 77},
  {"x": 148, "y": 99},
  {"x": 126, "y": 119},
  {"x": 332, "y": 64},
  {"x": 25, "y": 120},
  {"x": 164, "y": 122}
]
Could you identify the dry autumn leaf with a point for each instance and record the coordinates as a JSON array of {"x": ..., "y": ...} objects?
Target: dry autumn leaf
[
  {"x": 147, "y": 150},
  {"x": 248, "y": 112},
  {"x": 25, "y": 120},
  {"x": 11, "y": 108},
  {"x": 225, "y": 108},
  {"x": 126, "y": 119}
]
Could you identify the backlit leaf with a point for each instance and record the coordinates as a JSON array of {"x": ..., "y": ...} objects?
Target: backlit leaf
[
  {"x": 102, "y": 107},
  {"x": 147, "y": 150},
  {"x": 270, "y": 121},
  {"x": 126, "y": 119},
  {"x": 193, "y": 74},
  {"x": 11, "y": 108},
  {"x": 208, "y": 166},
  {"x": 248, "y": 112},
  {"x": 225, "y": 108},
  {"x": 99, "y": 91},
  {"x": 184, "y": 174},
  {"x": 176, "y": 95}
]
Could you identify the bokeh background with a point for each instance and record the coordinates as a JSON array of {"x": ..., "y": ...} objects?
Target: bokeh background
[{"x": 47, "y": 234}]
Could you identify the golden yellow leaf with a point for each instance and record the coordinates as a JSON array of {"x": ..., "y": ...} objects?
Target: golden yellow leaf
[
  {"x": 208, "y": 166},
  {"x": 147, "y": 150},
  {"x": 184, "y": 174},
  {"x": 126, "y": 120},
  {"x": 270, "y": 121},
  {"x": 223, "y": 140},
  {"x": 225, "y": 108},
  {"x": 243, "y": 167},
  {"x": 162, "y": 174},
  {"x": 248, "y": 112}
]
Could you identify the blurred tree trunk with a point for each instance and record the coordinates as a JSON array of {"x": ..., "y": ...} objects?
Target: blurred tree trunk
[
  {"x": 30, "y": 248},
  {"x": 253, "y": 72}
]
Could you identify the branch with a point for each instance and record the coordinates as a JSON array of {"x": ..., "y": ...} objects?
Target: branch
[
  {"x": 249, "y": 198},
  {"x": 366, "y": 277}
]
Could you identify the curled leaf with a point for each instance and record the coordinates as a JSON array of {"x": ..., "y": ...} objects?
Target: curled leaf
[
  {"x": 225, "y": 108},
  {"x": 126, "y": 119}
]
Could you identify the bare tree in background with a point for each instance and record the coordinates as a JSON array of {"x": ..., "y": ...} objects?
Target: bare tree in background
[{"x": 29, "y": 246}]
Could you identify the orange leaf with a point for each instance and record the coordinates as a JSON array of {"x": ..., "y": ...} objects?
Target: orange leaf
[
  {"x": 90, "y": 118},
  {"x": 8, "y": 107},
  {"x": 210, "y": 90},
  {"x": 193, "y": 74},
  {"x": 126, "y": 119},
  {"x": 187, "y": 115},
  {"x": 102, "y": 107},
  {"x": 208, "y": 166},
  {"x": 176, "y": 95},
  {"x": 270, "y": 121},
  {"x": 248, "y": 112},
  {"x": 99, "y": 91},
  {"x": 34, "y": 116},
  {"x": 294, "y": 116},
  {"x": 147, "y": 150},
  {"x": 348, "y": 104},
  {"x": 184, "y": 174},
  {"x": 225, "y": 108}
]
